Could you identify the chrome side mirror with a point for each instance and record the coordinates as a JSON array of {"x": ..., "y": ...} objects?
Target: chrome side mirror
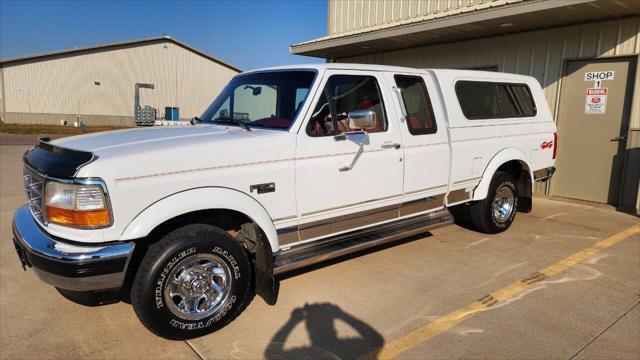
[{"x": 362, "y": 119}]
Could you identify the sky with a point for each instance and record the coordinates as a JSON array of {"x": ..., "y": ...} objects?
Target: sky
[{"x": 247, "y": 34}]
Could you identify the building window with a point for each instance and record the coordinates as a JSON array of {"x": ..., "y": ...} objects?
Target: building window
[
  {"x": 346, "y": 93},
  {"x": 489, "y": 100},
  {"x": 420, "y": 118}
]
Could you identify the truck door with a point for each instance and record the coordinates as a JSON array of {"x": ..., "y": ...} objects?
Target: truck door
[
  {"x": 425, "y": 143},
  {"x": 346, "y": 178}
]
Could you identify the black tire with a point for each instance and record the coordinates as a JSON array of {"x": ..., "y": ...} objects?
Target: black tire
[
  {"x": 482, "y": 212},
  {"x": 182, "y": 246}
]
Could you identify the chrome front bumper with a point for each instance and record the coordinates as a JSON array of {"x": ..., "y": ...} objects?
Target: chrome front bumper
[{"x": 75, "y": 267}]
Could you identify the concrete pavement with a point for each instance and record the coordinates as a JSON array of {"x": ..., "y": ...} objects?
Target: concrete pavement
[{"x": 360, "y": 304}]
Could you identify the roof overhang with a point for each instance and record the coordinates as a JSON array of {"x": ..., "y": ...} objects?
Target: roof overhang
[{"x": 488, "y": 19}]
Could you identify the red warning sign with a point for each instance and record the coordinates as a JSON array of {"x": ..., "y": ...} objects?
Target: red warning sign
[{"x": 596, "y": 102}]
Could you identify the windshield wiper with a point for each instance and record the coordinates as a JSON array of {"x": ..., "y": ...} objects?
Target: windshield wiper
[{"x": 229, "y": 119}]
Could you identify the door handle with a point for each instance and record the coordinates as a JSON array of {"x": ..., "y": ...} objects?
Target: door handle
[
  {"x": 391, "y": 146},
  {"x": 619, "y": 138}
]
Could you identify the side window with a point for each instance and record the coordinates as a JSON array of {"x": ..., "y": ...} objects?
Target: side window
[
  {"x": 487, "y": 100},
  {"x": 479, "y": 100},
  {"x": 420, "y": 118},
  {"x": 343, "y": 94},
  {"x": 516, "y": 100}
]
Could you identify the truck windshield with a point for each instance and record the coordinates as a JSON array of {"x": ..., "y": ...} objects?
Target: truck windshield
[{"x": 265, "y": 99}]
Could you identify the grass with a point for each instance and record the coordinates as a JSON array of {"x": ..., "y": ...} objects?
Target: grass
[{"x": 52, "y": 129}]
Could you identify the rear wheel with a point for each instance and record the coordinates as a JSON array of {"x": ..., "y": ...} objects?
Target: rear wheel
[
  {"x": 497, "y": 211},
  {"x": 192, "y": 282}
]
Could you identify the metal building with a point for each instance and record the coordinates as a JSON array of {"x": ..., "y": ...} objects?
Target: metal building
[
  {"x": 97, "y": 84},
  {"x": 566, "y": 44}
]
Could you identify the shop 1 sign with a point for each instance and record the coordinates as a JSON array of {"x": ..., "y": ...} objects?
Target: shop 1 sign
[{"x": 598, "y": 77}]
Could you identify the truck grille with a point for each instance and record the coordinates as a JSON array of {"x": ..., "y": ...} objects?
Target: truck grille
[{"x": 34, "y": 187}]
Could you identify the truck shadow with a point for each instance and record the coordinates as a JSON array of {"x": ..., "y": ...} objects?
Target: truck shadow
[
  {"x": 320, "y": 320},
  {"x": 462, "y": 217}
]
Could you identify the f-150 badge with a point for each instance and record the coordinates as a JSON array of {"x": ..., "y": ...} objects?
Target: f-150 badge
[{"x": 263, "y": 188}]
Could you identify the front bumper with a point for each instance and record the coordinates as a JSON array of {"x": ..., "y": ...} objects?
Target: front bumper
[{"x": 73, "y": 267}]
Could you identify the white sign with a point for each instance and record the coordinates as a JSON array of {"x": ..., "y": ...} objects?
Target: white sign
[
  {"x": 596, "y": 101},
  {"x": 599, "y": 75}
]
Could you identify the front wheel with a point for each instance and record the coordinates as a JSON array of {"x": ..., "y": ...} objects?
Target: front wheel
[
  {"x": 497, "y": 211},
  {"x": 192, "y": 282}
]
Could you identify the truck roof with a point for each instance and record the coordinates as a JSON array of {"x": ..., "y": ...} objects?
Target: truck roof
[{"x": 445, "y": 73}]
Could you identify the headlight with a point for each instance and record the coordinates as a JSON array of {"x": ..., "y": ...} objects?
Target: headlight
[{"x": 76, "y": 205}]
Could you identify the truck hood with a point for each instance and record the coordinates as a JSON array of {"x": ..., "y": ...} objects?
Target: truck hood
[
  {"x": 141, "y": 138},
  {"x": 145, "y": 151}
]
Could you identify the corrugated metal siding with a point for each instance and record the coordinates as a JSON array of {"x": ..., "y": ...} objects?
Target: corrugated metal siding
[
  {"x": 541, "y": 54},
  {"x": 347, "y": 15},
  {"x": 66, "y": 85},
  {"x": 199, "y": 82}
]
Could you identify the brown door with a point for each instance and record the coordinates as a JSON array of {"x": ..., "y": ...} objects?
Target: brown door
[{"x": 592, "y": 129}]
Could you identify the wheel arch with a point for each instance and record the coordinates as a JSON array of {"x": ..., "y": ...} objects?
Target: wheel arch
[
  {"x": 514, "y": 162},
  {"x": 223, "y": 206}
]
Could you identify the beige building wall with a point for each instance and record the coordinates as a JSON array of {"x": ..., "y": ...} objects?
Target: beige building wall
[
  {"x": 64, "y": 87},
  {"x": 541, "y": 54},
  {"x": 349, "y": 15}
]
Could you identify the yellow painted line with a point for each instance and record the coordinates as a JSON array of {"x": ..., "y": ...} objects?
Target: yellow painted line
[{"x": 414, "y": 338}]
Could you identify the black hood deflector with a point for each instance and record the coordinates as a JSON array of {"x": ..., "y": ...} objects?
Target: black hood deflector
[{"x": 56, "y": 161}]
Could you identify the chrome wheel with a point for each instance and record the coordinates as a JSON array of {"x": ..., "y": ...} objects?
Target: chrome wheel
[
  {"x": 503, "y": 204},
  {"x": 198, "y": 286}
]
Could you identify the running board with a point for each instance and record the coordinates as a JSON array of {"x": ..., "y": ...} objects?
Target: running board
[{"x": 322, "y": 250}]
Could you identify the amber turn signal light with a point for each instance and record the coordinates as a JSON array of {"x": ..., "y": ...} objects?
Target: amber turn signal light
[{"x": 90, "y": 218}]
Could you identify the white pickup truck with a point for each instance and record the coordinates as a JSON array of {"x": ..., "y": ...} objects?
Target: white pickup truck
[{"x": 289, "y": 166}]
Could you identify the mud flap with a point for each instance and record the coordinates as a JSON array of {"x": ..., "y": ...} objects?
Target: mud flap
[
  {"x": 525, "y": 205},
  {"x": 266, "y": 284}
]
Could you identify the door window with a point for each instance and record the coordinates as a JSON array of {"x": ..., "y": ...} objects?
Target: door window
[
  {"x": 420, "y": 119},
  {"x": 341, "y": 95}
]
